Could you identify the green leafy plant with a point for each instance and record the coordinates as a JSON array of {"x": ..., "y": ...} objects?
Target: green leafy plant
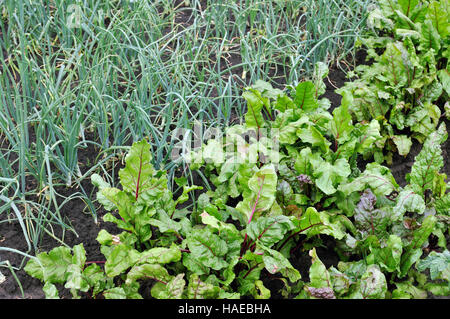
[
  {"x": 392, "y": 232},
  {"x": 409, "y": 74},
  {"x": 202, "y": 255},
  {"x": 274, "y": 186}
]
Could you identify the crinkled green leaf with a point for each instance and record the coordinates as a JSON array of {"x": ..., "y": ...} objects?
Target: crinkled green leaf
[
  {"x": 267, "y": 90},
  {"x": 288, "y": 124},
  {"x": 410, "y": 257},
  {"x": 389, "y": 255},
  {"x": 372, "y": 284},
  {"x": 312, "y": 223},
  {"x": 194, "y": 265},
  {"x": 354, "y": 269},
  {"x": 407, "y": 33},
  {"x": 148, "y": 271},
  {"x": 123, "y": 202},
  {"x": 98, "y": 182},
  {"x": 50, "y": 291},
  {"x": 275, "y": 262},
  {"x": 198, "y": 289},
  {"x": 121, "y": 258},
  {"x": 379, "y": 178},
  {"x": 320, "y": 72},
  {"x": 394, "y": 70},
  {"x": 442, "y": 205},
  {"x": 407, "y": 6},
  {"x": 429, "y": 37},
  {"x": 305, "y": 98},
  {"x": 115, "y": 293},
  {"x": 165, "y": 223},
  {"x": 403, "y": 143},
  {"x": 362, "y": 140},
  {"x": 137, "y": 174},
  {"x": 436, "y": 262},
  {"x": 75, "y": 279},
  {"x": 208, "y": 248},
  {"x": 213, "y": 152},
  {"x": 378, "y": 20},
  {"x": 366, "y": 105},
  {"x": 260, "y": 291},
  {"x": 312, "y": 135},
  {"x": 160, "y": 255},
  {"x": 423, "y": 120},
  {"x": 413, "y": 251},
  {"x": 132, "y": 291},
  {"x": 319, "y": 276},
  {"x": 329, "y": 176},
  {"x": 444, "y": 76},
  {"x": 341, "y": 125},
  {"x": 303, "y": 161},
  {"x": 284, "y": 103},
  {"x": 388, "y": 7},
  {"x": 229, "y": 234},
  {"x": 96, "y": 278},
  {"x": 407, "y": 290},
  {"x": 142, "y": 226},
  {"x": 269, "y": 230},
  {"x": 438, "y": 14},
  {"x": 52, "y": 266},
  {"x": 404, "y": 22},
  {"x": 347, "y": 203},
  {"x": 185, "y": 195},
  {"x": 438, "y": 289},
  {"x": 284, "y": 192},
  {"x": 255, "y": 104},
  {"x": 249, "y": 282},
  {"x": 79, "y": 255},
  {"x": 173, "y": 289},
  {"x": 408, "y": 201},
  {"x": 311, "y": 218},
  {"x": 261, "y": 192},
  {"x": 107, "y": 239},
  {"x": 341, "y": 282},
  {"x": 431, "y": 94},
  {"x": 397, "y": 116},
  {"x": 429, "y": 161}
]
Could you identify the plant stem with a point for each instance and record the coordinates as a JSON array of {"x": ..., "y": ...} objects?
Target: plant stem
[
  {"x": 298, "y": 232},
  {"x": 256, "y": 202},
  {"x": 249, "y": 271},
  {"x": 244, "y": 244}
]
